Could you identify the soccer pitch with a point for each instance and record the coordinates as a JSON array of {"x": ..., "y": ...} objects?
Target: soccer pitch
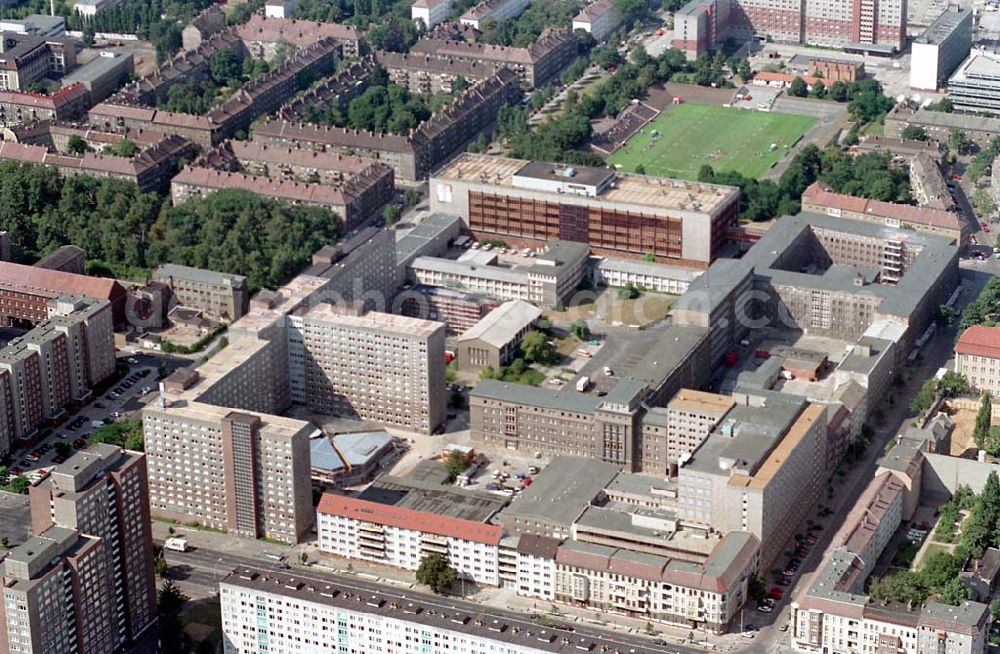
[{"x": 691, "y": 135}]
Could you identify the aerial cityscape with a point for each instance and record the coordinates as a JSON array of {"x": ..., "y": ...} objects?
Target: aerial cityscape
[{"x": 500, "y": 327}]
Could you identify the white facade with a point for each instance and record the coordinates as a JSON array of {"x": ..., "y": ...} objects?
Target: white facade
[
  {"x": 924, "y": 66},
  {"x": 983, "y": 372},
  {"x": 600, "y": 19},
  {"x": 280, "y": 618},
  {"x": 279, "y": 8},
  {"x": 431, "y": 12},
  {"x": 401, "y": 547},
  {"x": 496, "y": 9},
  {"x": 613, "y": 271},
  {"x": 536, "y": 576}
]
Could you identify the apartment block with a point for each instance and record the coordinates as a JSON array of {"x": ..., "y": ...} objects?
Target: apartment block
[
  {"x": 59, "y": 595},
  {"x": 328, "y": 619},
  {"x": 414, "y": 155},
  {"x": 429, "y": 74},
  {"x": 375, "y": 366},
  {"x": 103, "y": 492},
  {"x": 360, "y": 269},
  {"x": 401, "y": 537},
  {"x": 68, "y": 103},
  {"x": 671, "y": 434},
  {"x": 535, "y": 65},
  {"x": 54, "y": 364},
  {"x": 218, "y": 296},
  {"x": 938, "y": 125},
  {"x": 27, "y": 59},
  {"x": 430, "y": 12},
  {"x": 241, "y": 472},
  {"x": 616, "y": 214},
  {"x": 977, "y": 356}
]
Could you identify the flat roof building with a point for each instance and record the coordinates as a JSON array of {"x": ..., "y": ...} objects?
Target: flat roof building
[
  {"x": 941, "y": 48},
  {"x": 219, "y": 296},
  {"x": 975, "y": 85},
  {"x": 676, "y": 221}
]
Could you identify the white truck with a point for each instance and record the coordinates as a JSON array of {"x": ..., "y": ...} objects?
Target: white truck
[
  {"x": 582, "y": 384},
  {"x": 176, "y": 544}
]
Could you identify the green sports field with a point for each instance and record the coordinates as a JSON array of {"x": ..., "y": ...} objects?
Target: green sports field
[{"x": 691, "y": 135}]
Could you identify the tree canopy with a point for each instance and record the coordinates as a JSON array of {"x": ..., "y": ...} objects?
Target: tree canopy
[
  {"x": 123, "y": 433},
  {"x": 434, "y": 571}
]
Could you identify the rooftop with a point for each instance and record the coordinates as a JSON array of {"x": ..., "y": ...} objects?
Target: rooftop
[
  {"x": 198, "y": 275},
  {"x": 980, "y": 341},
  {"x": 404, "y": 518},
  {"x": 945, "y": 24},
  {"x": 821, "y": 195},
  {"x": 626, "y": 188},
  {"x": 373, "y": 320},
  {"x": 700, "y": 402},
  {"x": 594, "y": 10},
  {"x": 563, "y": 490},
  {"x": 429, "y": 495},
  {"x": 52, "y": 283},
  {"x": 502, "y": 324},
  {"x": 107, "y": 62}
]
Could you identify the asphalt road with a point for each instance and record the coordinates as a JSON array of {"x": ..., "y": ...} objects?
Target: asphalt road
[{"x": 205, "y": 568}]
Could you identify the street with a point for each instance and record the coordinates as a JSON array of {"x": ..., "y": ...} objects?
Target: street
[{"x": 206, "y": 567}]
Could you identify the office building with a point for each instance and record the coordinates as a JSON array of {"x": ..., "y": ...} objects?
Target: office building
[
  {"x": 459, "y": 310},
  {"x": 529, "y": 202},
  {"x": 218, "y": 296},
  {"x": 975, "y": 86},
  {"x": 761, "y": 470},
  {"x": 977, "y": 356},
  {"x": 103, "y": 75},
  {"x": 49, "y": 27},
  {"x": 496, "y": 339},
  {"x": 25, "y": 292},
  {"x": 658, "y": 277},
  {"x": 27, "y": 59},
  {"x": 941, "y": 47},
  {"x": 375, "y": 366},
  {"x": 857, "y": 25},
  {"x": 820, "y": 198},
  {"x": 549, "y": 278},
  {"x": 103, "y": 492},
  {"x": 600, "y": 19},
  {"x": 236, "y": 471}
]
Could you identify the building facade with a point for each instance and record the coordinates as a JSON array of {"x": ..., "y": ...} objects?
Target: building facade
[
  {"x": 219, "y": 296},
  {"x": 683, "y": 223},
  {"x": 939, "y": 50},
  {"x": 977, "y": 356},
  {"x": 240, "y": 472}
]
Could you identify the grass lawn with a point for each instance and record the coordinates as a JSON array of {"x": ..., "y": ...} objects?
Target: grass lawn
[{"x": 691, "y": 135}]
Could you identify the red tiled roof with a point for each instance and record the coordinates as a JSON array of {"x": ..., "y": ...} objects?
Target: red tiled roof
[
  {"x": 298, "y": 33},
  {"x": 980, "y": 341},
  {"x": 395, "y": 516},
  {"x": 51, "y": 283},
  {"x": 821, "y": 195},
  {"x": 275, "y": 188}
]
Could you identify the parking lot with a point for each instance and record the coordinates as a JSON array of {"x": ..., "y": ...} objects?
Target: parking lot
[{"x": 123, "y": 398}]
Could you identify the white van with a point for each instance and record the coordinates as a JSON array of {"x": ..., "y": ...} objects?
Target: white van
[{"x": 177, "y": 544}]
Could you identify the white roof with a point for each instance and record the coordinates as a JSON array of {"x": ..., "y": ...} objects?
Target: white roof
[{"x": 502, "y": 324}]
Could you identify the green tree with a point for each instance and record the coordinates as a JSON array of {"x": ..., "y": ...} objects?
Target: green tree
[
  {"x": 954, "y": 592},
  {"x": 390, "y": 214},
  {"x": 958, "y": 141},
  {"x": 76, "y": 145},
  {"x": 580, "y": 329},
  {"x": 953, "y": 383},
  {"x": 839, "y": 92},
  {"x": 536, "y": 348},
  {"x": 410, "y": 197},
  {"x": 455, "y": 464},
  {"x": 914, "y": 133},
  {"x": 64, "y": 449},
  {"x": 629, "y": 292},
  {"x": 798, "y": 88},
  {"x": 640, "y": 169},
  {"x": 225, "y": 66},
  {"x": 434, "y": 571},
  {"x": 125, "y": 433},
  {"x": 995, "y": 608},
  {"x": 925, "y": 397},
  {"x": 124, "y": 148},
  {"x": 984, "y": 202},
  {"x": 17, "y": 485},
  {"x": 818, "y": 89},
  {"x": 981, "y": 430}
]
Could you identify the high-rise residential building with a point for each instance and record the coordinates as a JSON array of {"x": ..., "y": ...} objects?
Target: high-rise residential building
[
  {"x": 242, "y": 472},
  {"x": 54, "y": 364},
  {"x": 59, "y": 596},
  {"x": 375, "y": 366},
  {"x": 103, "y": 492}
]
